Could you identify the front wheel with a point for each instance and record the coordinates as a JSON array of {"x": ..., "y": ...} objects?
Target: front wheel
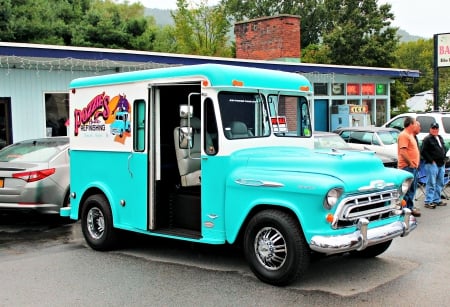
[
  {"x": 275, "y": 247},
  {"x": 97, "y": 223}
]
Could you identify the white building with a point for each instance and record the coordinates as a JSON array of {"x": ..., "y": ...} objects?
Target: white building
[
  {"x": 421, "y": 102},
  {"x": 34, "y": 84}
]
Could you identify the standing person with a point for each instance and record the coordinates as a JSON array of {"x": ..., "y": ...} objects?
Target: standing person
[
  {"x": 433, "y": 153},
  {"x": 409, "y": 158}
]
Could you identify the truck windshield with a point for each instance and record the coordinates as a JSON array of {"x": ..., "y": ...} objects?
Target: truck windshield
[
  {"x": 244, "y": 115},
  {"x": 289, "y": 115}
]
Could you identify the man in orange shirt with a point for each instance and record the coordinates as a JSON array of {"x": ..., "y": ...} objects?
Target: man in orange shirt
[{"x": 409, "y": 158}]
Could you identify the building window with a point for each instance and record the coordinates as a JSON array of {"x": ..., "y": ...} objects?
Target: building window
[
  {"x": 381, "y": 89},
  {"x": 337, "y": 89},
  {"x": 381, "y": 116},
  {"x": 353, "y": 89},
  {"x": 368, "y": 89},
  {"x": 321, "y": 89},
  {"x": 56, "y": 113}
]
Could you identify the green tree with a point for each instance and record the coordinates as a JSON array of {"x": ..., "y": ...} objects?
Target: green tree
[
  {"x": 40, "y": 21},
  {"x": 6, "y": 15},
  {"x": 165, "y": 40},
  {"x": 111, "y": 25},
  {"x": 357, "y": 32},
  {"x": 201, "y": 30},
  {"x": 419, "y": 55},
  {"x": 343, "y": 32}
]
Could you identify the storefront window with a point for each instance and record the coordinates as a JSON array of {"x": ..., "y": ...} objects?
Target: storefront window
[
  {"x": 381, "y": 112},
  {"x": 337, "y": 89},
  {"x": 354, "y": 101},
  {"x": 368, "y": 89},
  {"x": 381, "y": 89},
  {"x": 337, "y": 102},
  {"x": 367, "y": 104},
  {"x": 353, "y": 89},
  {"x": 321, "y": 89},
  {"x": 56, "y": 113}
]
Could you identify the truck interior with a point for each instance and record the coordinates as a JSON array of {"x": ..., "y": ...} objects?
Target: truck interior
[{"x": 177, "y": 200}]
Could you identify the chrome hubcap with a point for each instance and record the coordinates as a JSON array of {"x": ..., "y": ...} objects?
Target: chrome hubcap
[
  {"x": 270, "y": 248},
  {"x": 95, "y": 223}
]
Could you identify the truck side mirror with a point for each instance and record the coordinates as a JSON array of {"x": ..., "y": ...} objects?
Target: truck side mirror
[
  {"x": 185, "y": 137},
  {"x": 186, "y": 111}
]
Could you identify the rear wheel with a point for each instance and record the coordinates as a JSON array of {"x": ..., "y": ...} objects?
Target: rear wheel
[
  {"x": 97, "y": 223},
  {"x": 372, "y": 251},
  {"x": 275, "y": 247}
]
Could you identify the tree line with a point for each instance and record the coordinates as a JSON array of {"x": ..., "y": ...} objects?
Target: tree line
[{"x": 341, "y": 32}]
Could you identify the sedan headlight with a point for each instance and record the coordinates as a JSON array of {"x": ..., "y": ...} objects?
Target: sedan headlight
[
  {"x": 405, "y": 186},
  {"x": 332, "y": 198}
]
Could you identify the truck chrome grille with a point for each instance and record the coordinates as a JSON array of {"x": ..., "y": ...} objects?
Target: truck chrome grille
[{"x": 373, "y": 206}]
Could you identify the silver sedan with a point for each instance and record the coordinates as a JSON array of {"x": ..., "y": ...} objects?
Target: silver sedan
[{"x": 34, "y": 175}]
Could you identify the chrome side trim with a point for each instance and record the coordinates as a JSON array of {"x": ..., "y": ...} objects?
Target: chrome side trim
[{"x": 258, "y": 183}]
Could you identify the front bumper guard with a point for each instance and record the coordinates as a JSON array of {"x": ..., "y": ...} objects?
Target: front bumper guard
[
  {"x": 364, "y": 237},
  {"x": 64, "y": 212}
]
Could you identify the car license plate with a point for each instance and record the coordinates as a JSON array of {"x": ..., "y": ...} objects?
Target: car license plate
[{"x": 1, "y": 182}]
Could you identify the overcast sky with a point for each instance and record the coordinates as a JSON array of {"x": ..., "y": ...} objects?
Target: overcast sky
[{"x": 422, "y": 18}]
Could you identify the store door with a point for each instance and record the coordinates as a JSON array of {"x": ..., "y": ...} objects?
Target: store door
[{"x": 321, "y": 116}]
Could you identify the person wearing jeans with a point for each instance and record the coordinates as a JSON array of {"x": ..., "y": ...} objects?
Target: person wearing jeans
[
  {"x": 433, "y": 153},
  {"x": 409, "y": 158}
]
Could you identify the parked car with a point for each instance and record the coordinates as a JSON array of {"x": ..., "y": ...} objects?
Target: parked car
[
  {"x": 381, "y": 140},
  {"x": 330, "y": 140},
  {"x": 34, "y": 175},
  {"x": 425, "y": 119}
]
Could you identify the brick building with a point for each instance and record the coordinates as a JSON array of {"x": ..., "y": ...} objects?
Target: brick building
[{"x": 268, "y": 38}]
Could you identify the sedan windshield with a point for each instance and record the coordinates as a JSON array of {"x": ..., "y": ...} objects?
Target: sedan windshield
[
  {"x": 388, "y": 137},
  {"x": 330, "y": 141}
]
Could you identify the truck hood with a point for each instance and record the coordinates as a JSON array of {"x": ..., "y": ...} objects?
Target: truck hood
[{"x": 353, "y": 169}]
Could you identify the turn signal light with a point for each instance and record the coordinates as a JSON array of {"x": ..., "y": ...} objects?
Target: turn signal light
[
  {"x": 403, "y": 203},
  {"x": 237, "y": 83},
  {"x": 330, "y": 218},
  {"x": 304, "y": 88}
]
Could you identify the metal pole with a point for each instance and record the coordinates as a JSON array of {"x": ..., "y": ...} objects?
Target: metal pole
[{"x": 436, "y": 75}]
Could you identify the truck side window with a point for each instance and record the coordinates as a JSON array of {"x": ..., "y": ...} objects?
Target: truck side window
[
  {"x": 210, "y": 136},
  {"x": 244, "y": 115},
  {"x": 289, "y": 115},
  {"x": 139, "y": 125}
]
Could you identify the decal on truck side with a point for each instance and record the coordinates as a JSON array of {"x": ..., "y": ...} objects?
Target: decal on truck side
[{"x": 101, "y": 112}]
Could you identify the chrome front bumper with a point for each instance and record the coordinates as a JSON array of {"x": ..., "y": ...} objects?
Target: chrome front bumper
[{"x": 364, "y": 237}]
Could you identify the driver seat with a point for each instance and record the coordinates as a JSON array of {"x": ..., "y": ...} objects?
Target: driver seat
[{"x": 189, "y": 165}]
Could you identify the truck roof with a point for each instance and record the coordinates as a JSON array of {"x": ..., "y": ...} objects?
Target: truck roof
[{"x": 216, "y": 74}]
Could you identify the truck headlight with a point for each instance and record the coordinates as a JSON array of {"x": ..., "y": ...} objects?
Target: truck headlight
[
  {"x": 332, "y": 197},
  {"x": 405, "y": 185}
]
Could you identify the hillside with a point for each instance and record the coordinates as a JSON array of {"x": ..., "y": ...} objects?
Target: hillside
[
  {"x": 406, "y": 37},
  {"x": 163, "y": 17}
]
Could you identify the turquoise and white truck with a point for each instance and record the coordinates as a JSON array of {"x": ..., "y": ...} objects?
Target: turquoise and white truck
[{"x": 224, "y": 155}]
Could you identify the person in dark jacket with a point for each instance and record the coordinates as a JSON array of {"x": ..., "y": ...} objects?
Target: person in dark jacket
[{"x": 433, "y": 153}]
